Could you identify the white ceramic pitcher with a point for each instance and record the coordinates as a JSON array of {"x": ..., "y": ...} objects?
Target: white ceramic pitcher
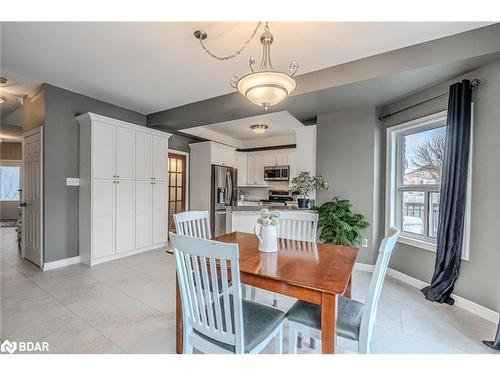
[{"x": 268, "y": 238}]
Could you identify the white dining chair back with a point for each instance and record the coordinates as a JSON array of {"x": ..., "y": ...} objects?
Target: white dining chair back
[
  {"x": 193, "y": 224},
  {"x": 204, "y": 308},
  {"x": 300, "y": 226},
  {"x": 370, "y": 310}
]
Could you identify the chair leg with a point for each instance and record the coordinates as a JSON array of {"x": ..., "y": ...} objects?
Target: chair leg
[
  {"x": 187, "y": 348},
  {"x": 292, "y": 339},
  {"x": 278, "y": 341},
  {"x": 275, "y": 300},
  {"x": 243, "y": 291},
  {"x": 253, "y": 293}
]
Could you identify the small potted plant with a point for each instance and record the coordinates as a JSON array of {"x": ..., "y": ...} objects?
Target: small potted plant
[
  {"x": 266, "y": 230},
  {"x": 304, "y": 184}
]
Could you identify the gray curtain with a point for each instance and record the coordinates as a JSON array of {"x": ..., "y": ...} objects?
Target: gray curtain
[{"x": 452, "y": 203}]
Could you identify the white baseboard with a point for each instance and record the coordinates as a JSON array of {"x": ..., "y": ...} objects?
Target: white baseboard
[
  {"x": 461, "y": 302},
  {"x": 364, "y": 267},
  {"x": 60, "y": 263}
]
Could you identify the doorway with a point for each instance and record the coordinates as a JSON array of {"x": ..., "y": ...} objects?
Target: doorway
[
  {"x": 32, "y": 240},
  {"x": 178, "y": 164}
]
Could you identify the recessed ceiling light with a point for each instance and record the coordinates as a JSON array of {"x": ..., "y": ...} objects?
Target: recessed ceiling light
[{"x": 259, "y": 128}]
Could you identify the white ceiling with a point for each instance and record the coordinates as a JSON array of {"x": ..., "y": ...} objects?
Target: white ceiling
[
  {"x": 150, "y": 67},
  {"x": 237, "y": 133}
]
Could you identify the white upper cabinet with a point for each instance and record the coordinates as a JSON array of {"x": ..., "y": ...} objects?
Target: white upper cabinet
[
  {"x": 283, "y": 157},
  {"x": 143, "y": 160},
  {"x": 222, "y": 155},
  {"x": 103, "y": 137},
  {"x": 125, "y": 153},
  {"x": 242, "y": 167},
  {"x": 159, "y": 155},
  {"x": 253, "y": 169}
]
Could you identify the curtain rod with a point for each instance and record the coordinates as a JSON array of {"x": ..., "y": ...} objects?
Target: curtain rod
[{"x": 473, "y": 84}]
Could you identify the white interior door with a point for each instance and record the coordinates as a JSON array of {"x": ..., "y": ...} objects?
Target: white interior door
[
  {"x": 125, "y": 215},
  {"x": 159, "y": 212},
  {"x": 143, "y": 213},
  {"x": 103, "y": 220},
  {"x": 125, "y": 153},
  {"x": 160, "y": 157},
  {"x": 104, "y": 150},
  {"x": 32, "y": 196},
  {"x": 143, "y": 168}
]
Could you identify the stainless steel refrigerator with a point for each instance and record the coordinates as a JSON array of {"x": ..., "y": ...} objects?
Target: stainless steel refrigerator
[{"x": 223, "y": 195}]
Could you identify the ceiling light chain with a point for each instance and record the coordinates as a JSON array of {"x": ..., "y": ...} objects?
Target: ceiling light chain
[{"x": 201, "y": 36}]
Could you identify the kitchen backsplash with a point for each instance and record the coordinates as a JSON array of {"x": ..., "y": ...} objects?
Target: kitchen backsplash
[{"x": 258, "y": 193}]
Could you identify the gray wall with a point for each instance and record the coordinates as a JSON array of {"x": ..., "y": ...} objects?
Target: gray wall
[
  {"x": 479, "y": 279},
  {"x": 180, "y": 142},
  {"x": 33, "y": 110},
  {"x": 346, "y": 157},
  {"x": 61, "y": 151}
]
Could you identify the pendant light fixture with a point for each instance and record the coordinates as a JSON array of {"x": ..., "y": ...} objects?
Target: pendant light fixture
[
  {"x": 259, "y": 128},
  {"x": 263, "y": 86}
]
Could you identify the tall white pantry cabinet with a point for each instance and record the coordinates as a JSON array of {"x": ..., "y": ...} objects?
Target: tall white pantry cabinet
[{"x": 123, "y": 191}]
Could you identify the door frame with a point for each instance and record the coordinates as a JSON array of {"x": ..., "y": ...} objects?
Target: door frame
[
  {"x": 23, "y": 180},
  {"x": 186, "y": 154}
]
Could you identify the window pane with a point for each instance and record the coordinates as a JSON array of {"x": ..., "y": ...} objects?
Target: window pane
[
  {"x": 172, "y": 179},
  {"x": 171, "y": 195},
  {"x": 422, "y": 156},
  {"x": 413, "y": 212},
  {"x": 173, "y": 165},
  {"x": 433, "y": 214},
  {"x": 179, "y": 165},
  {"x": 9, "y": 183},
  {"x": 179, "y": 194}
]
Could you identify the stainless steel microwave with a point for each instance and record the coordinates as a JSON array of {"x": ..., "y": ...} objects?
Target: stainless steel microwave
[{"x": 280, "y": 173}]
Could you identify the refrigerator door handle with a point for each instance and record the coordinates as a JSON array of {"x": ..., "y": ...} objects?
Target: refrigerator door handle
[{"x": 229, "y": 187}]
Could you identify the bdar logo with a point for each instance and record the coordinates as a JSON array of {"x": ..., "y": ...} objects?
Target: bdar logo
[{"x": 9, "y": 347}]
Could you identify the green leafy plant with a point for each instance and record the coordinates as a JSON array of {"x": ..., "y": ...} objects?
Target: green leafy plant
[
  {"x": 338, "y": 224},
  {"x": 304, "y": 184}
]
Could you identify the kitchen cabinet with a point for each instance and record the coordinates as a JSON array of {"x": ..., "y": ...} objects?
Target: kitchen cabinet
[
  {"x": 242, "y": 167},
  {"x": 223, "y": 155},
  {"x": 292, "y": 162},
  {"x": 122, "y": 193},
  {"x": 256, "y": 162}
]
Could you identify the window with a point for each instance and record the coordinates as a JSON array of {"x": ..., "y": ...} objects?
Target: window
[
  {"x": 9, "y": 181},
  {"x": 415, "y": 158},
  {"x": 420, "y": 154}
]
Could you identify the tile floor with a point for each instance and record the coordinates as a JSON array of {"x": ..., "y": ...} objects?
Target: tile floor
[{"x": 128, "y": 306}]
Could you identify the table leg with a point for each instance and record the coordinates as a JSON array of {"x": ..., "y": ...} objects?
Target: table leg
[
  {"x": 328, "y": 322},
  {"x": 179, "y": 337},
  {"x": 348, "y": 289}
]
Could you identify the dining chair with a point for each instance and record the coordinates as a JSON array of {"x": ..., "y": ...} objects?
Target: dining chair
[
  {"x": 355, "y": 320},
  {"x": 299, "y": 226},
  {"x": 225, "y": 322},
  {"x": 193, "y": 223}
]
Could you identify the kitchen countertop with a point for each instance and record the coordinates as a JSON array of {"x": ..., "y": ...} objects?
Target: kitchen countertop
[{"x": 256, "y": 209}]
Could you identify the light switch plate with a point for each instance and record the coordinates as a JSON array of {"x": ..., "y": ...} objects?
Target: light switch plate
[{"x": 72, "y": 181}]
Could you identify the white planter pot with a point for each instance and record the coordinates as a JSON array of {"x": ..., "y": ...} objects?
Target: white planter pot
[{"x": 268, "y": 238}]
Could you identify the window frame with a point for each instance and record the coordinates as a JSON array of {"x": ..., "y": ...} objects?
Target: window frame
[{"x": 394, "y": 185}]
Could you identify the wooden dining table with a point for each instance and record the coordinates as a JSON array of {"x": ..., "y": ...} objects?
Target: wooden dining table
[{"x": 312, "y": 272}]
